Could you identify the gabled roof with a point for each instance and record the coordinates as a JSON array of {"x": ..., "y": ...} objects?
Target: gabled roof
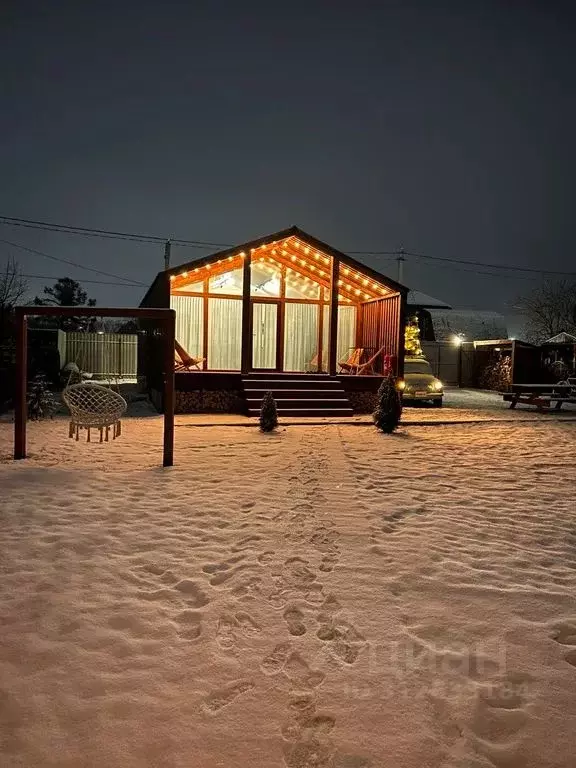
[
  {"x": 562, "y": 338},
  {"x": 423, "y": 300},
  {"x": 274, "y": 237}
]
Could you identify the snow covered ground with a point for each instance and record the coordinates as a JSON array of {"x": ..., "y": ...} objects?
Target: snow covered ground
[{"x": 323, "y": 596}]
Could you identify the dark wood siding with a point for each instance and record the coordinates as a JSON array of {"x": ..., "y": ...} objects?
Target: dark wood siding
[{"x": 381, "y": 325}]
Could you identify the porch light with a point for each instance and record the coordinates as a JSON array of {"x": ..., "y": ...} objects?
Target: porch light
[{"x": 242, "y": 255}]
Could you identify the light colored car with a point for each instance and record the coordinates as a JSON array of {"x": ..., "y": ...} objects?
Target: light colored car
[{"x": 420, "y": 384}]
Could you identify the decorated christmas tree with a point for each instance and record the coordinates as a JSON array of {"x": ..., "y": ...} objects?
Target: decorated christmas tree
[
  {"x": 389, "y": 408},
  {"x": 268, "y": 413},
  {"x": 412, "y": 344}
]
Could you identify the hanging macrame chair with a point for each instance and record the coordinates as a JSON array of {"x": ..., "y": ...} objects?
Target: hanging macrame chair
[{"x": 94, "y": 407}]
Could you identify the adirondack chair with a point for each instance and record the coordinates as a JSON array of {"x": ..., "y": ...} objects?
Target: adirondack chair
[
  {"x": 184, "y": 362},
  {"x": 350, "y": 365}
]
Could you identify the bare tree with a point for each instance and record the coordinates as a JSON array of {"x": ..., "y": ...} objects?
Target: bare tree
[
  {"x": 549, "y": 310},
  {"x": 13, "y": 288}
]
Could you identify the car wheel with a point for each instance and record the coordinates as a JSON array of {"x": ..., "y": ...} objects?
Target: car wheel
[{"x": 437, "y": 403}]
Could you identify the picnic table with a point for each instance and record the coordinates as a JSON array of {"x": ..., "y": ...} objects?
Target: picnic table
[{"x": 541, "y": 395}]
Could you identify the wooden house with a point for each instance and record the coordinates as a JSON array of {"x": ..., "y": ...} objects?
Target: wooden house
[{"x": 286, "y": 313}]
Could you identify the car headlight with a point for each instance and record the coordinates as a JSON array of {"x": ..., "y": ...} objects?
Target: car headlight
[{"x": 437, "y": 385}]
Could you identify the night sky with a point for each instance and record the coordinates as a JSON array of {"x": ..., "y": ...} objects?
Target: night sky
[{"x": 448, "y": 130}]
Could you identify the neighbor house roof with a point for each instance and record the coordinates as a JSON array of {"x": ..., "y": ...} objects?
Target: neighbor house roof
[
  {"x": 562, "y": 338},
  {"x": 419, "y": 299},
  {"x": 472, "y": 324},
  {"x": 293, "y": 232}
]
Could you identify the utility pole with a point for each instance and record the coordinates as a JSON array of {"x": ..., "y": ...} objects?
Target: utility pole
[
  {"x": 167, "y": 249},
  {"x": 401, "y": 259}
]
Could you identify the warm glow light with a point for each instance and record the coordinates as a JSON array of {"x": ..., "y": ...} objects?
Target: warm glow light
[
  {"x": 348, "y": 287},
  {"x": 364, "y": 282},
  {"x": 306, "y": 250},
  {"x": 346, "y": 271},
  {"x": 230, "y": 258},
  {"x": 366, "y": 295},
  {"x": 316, "y": 256},
  {"x": 458, "y": 339},
  {"x": 197, "y": 269},
  {"x": 322, "y": 273},
  {"x": 357, "y": 291},
  {"x": 374, "y": 287},
  {"x": 184, "y": 274},
  {"x": 208, "y": 266},
  {"x": 242, "y": 255},
  {"x": 172, "y": 277},
  {"x": 339, "y": 282},
  {"x": 293, "y": 258},
  {"x": 296, "y": 244}
]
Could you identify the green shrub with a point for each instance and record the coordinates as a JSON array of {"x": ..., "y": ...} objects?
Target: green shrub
[
  {"x": 39, "y": 399},
  {"x": 389, "y": 407},
  {"x": 268, "y": 413}
]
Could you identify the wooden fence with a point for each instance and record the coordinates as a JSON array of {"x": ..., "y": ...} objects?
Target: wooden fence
[{"x": 103, "y": 354}]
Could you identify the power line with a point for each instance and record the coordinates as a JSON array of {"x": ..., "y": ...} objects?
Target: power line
[
  {"x": 94, "y": 282},
  {"x": 155, "y": 239},
  {"x": 106, "y": 234},
  {"x": 72, "y": 263},
  {"x": 478, "y": 263}
]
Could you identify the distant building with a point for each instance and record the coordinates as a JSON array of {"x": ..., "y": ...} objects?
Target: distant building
[{"x": 472, "y": 324}]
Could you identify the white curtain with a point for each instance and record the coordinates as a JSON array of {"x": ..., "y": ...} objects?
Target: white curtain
[
  {"x": 224, "y": 334},
  {"x": 264, "y": 325},
  {"x": 300, "y": 337},
  {"x": 346, "y": 332},
  {"x": 189, "y": 322}
]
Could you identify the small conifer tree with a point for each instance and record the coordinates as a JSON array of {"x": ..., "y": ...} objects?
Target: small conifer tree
[
  {"x": 39, "y": 400},
  {"x": 268, "y": 413},
  {"x": 389, "y": 407}
]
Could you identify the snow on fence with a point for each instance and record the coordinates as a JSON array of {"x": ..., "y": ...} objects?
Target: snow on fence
[{"x": 103, "y": 354}]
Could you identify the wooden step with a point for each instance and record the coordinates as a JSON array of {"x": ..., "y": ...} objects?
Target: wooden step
[
  {"x": 316, "y": 412},
  {"x": 295, "y": 402}
]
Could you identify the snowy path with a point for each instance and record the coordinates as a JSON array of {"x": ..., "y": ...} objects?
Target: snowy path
[{"x": 319, "y": 597}]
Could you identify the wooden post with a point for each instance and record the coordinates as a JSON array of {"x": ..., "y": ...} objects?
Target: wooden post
[
  {"x": 401, "y": 334},
  {"x": 169, "y": 394},
  {"x": 21, "y": 377},
  {"x": 333, "y": 321},
  {"x": 246, "y": 359}
]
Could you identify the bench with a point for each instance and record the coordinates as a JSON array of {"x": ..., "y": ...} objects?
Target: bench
[{"x": 540, "y": 395}]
